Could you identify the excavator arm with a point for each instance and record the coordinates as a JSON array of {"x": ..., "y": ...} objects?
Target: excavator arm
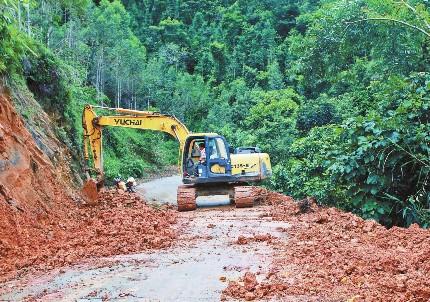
[{"x": 93, "y": 127}]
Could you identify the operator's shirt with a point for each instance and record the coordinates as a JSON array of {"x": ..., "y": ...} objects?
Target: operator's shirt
[{"x": 202, "y": 154}]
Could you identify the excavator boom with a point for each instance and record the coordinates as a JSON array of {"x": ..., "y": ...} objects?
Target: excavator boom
[{"x": 93, "y": 127}]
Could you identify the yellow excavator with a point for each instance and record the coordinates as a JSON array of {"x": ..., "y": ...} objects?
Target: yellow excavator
[{"x": 222, "y": 171}]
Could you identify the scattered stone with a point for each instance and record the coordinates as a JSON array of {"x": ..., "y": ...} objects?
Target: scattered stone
[
  {"x": 242, "y": 240},
  {"x": 250, "y": 281}
]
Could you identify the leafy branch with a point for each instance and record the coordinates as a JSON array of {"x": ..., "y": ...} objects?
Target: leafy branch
[
  {"x": 386, "y": 18},
  {"x": 391, "y": 20}
]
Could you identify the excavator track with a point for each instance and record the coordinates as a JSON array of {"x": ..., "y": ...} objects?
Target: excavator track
[
  {"x": 186, "y": 198},
  {"x": 244, "y": 196}
]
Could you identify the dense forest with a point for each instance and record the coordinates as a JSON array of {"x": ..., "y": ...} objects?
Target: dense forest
[{"x": 336, "y": 91}]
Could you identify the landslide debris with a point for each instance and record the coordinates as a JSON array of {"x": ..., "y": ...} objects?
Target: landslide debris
[
  {"x": 118, "y": 224},
  {"x": 42, "y": 225},
  {"x": 249, "y": 289},
  {"x": 242, "y": 240},
  {"x": 331, "y": 255}
]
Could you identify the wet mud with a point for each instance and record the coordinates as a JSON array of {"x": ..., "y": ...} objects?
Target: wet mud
[
  {"x": 335, "y": 256},
  {"x": 204, "y": 258}
]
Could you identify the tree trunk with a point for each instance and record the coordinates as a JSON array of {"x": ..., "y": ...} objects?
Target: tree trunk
[
  {"x": 27, "y": 8},
  {"x": 19, "y": 16},
  {"x": 99, "y": 76},
  {"x": 118, "y": 80},
  {"x": 48, "y": 36}
]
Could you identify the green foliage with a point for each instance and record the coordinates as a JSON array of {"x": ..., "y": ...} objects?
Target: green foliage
[
  {"x": 271, "y": 122},
  {"x": 314, "y": 115},
  {"x": 275, "y": 78},
  {"x": 387, "y": 162},
  {"x": 134, "y": 153},
  {"x": 80, "y": 96},
  {"x": 305, "y": 171},
  {"x": 13, "y": 43},
  {"x": 45, "y": 78}
]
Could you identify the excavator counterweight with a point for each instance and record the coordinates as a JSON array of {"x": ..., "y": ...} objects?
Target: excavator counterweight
[{"x": 221, "y": 171}]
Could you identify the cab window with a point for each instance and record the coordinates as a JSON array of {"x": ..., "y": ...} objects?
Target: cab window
[
  {"x": 213, "y": 149},
  {"x": 217, "y": 148},
  {"x": 221, "y": 148}
]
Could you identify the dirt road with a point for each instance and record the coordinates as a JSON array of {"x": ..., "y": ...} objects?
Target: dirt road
[
  {"x": 205, "y": 257},
  {"x": 163, "y": 190}
]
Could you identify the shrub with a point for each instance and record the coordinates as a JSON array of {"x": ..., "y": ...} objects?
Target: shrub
[
  {"x": 315, "y": 115},
  {"x": 387, "y": 162}
]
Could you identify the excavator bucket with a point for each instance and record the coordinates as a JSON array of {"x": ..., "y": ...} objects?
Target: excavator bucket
[{"x": 90, "y": 191}]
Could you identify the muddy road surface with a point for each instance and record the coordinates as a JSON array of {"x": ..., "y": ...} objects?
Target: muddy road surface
[
  {"x": 163, "y": 190},
  {"x": 197, "y": 268}
]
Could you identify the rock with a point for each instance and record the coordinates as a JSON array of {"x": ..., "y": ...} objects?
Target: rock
[
  {"x": 414, "y": 226},
  {"x": 242, "y": 240},
  {"x": 249, "y": 296},
  {"x": 263, "y": 237},
  {"x": 250, "y": 281},
  {"x": 323, "y": 218}
]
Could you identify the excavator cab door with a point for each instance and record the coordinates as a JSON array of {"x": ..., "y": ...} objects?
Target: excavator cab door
[{"x": 217, "y": 157}]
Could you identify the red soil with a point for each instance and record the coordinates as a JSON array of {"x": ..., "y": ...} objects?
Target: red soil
[
  {"x": 41, "y": 224},
  {"x": 335, "y": 256},
  {"x": 118, "y": 224}
]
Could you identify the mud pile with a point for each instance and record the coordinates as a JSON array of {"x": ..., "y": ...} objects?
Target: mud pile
[
  {"x": 335, "y": 256},
  {"x": 118, "y": 224},
  {"x": 242, "y": 240},
  {"x": 249, "y": 289},
  {"x": 41, "y": 224}
]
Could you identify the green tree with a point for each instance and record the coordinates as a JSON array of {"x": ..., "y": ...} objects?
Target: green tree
[{"x": 271, "y": 122}]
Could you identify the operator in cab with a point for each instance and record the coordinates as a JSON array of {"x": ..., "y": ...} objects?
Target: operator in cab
[
  {"x": 202, "y": 149},
  {"x": 199, "y": 166}
]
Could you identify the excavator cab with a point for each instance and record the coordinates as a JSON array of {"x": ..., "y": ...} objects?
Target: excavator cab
[{"x": 217, "y": 165}]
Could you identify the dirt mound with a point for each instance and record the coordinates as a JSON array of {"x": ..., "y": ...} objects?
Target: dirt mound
[
  {"x": 335, "y": 256},
  {"x": 41, "y": 223},
  {"x": 118, "y": 224},
  {"x": 242, "y": 240},
  {"x": 249, "y": 289}
]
